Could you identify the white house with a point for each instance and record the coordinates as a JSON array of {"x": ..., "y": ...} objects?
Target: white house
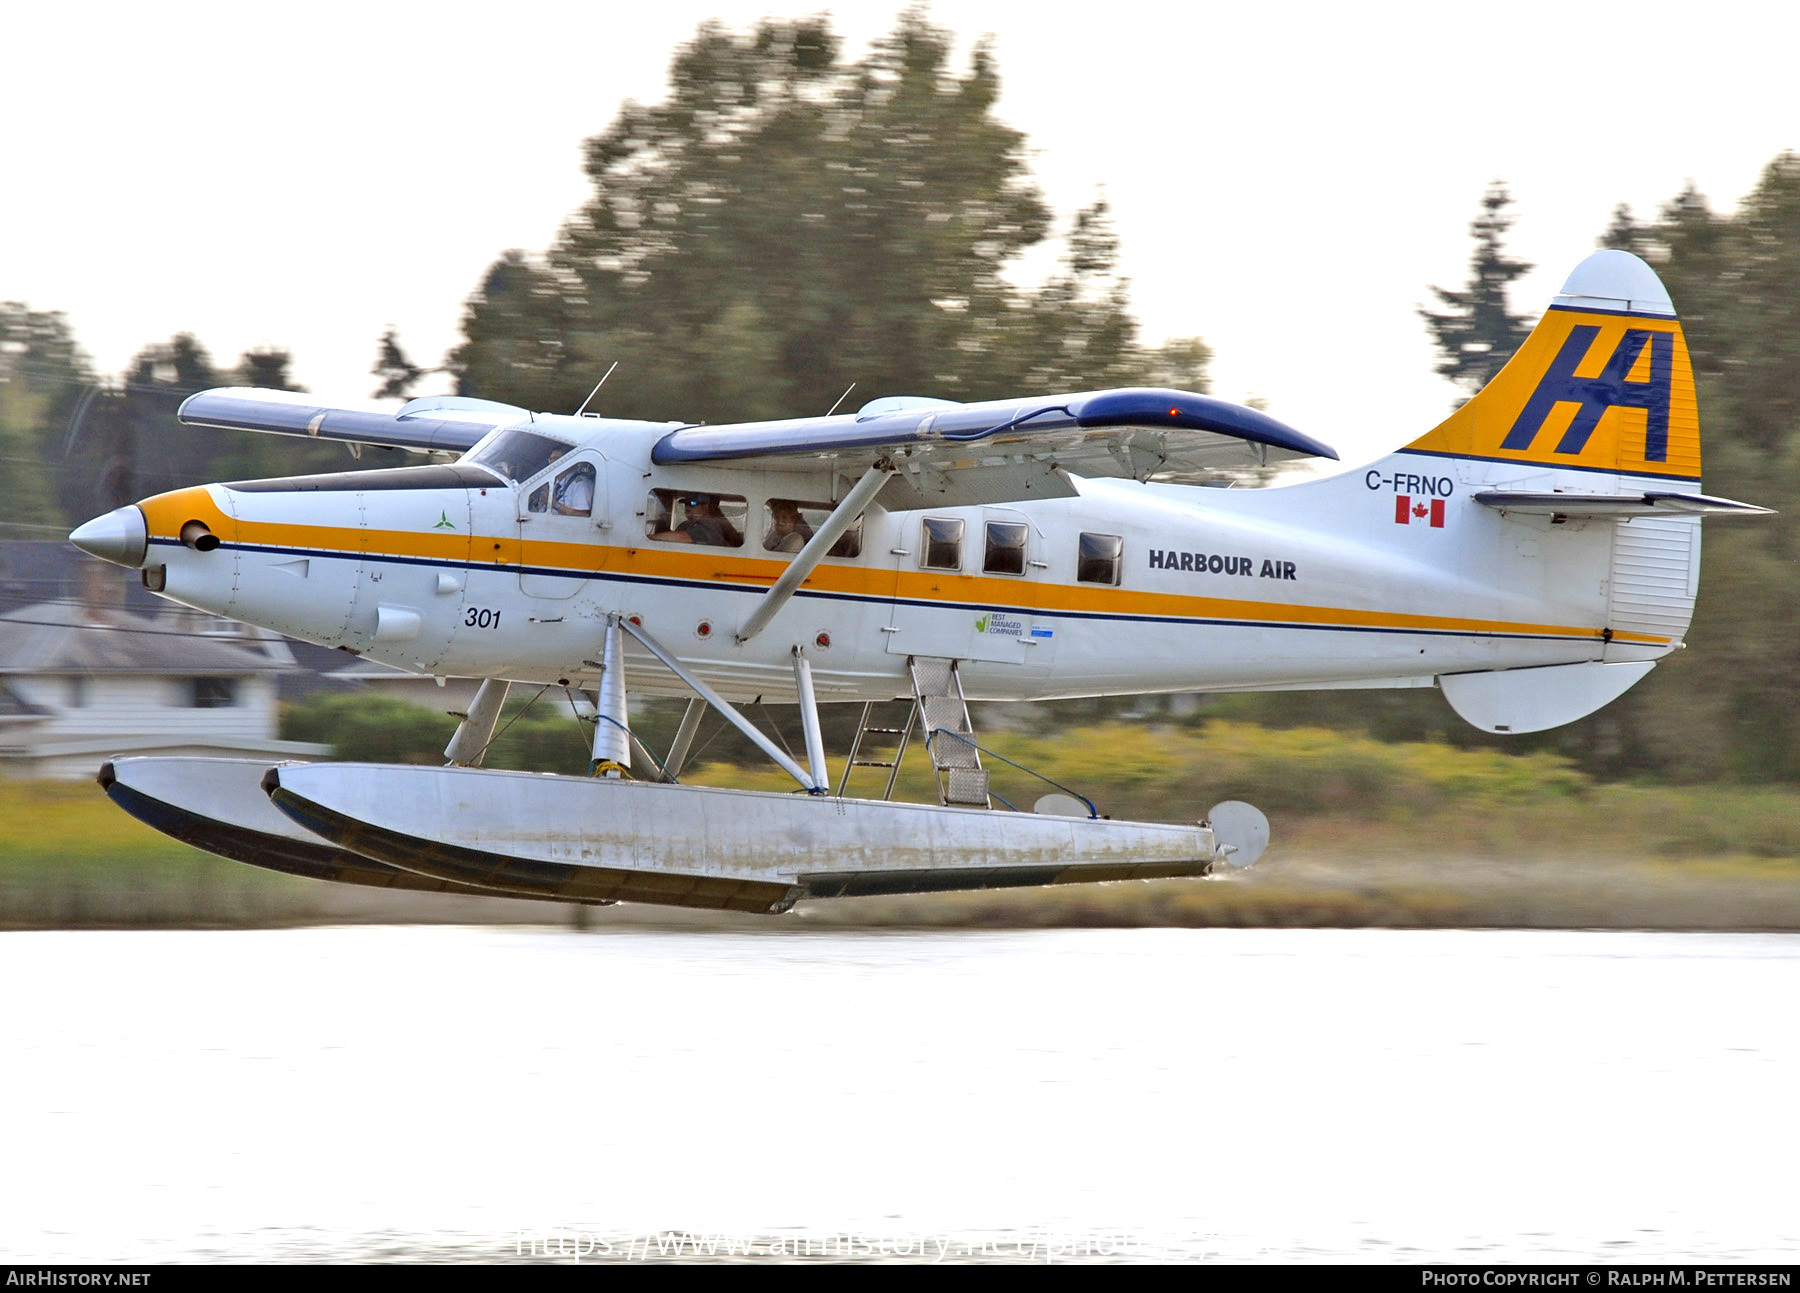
[{"x": 82, "y": 680}]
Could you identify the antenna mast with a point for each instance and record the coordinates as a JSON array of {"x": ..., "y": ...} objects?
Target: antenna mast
[
  {"x": 602, "y": 382},
  {"x": 840, "y": 399}
]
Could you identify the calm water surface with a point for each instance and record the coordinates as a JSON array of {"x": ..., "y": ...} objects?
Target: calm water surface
[{"x": 464, "y": 1093}]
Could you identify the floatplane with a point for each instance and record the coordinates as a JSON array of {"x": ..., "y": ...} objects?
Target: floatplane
[{"x": 1532, "y": 557}]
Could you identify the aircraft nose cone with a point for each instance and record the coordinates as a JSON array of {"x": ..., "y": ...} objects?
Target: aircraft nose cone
[{"x": 120, "y": 537}]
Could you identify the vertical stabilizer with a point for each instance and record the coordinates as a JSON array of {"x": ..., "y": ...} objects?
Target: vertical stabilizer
[
  {"x": 1598, "y": 402},
  {"x": 1603, "y": 384}
]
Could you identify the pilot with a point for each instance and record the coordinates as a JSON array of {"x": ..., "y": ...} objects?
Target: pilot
[
  {"x": 575, "y": 491},
  {"x": 704, "y": 524},
  {"x": 789, "y": 532}
]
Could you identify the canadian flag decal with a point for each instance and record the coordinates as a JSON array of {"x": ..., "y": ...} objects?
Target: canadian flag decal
[{"x": 1406, "y": 511}]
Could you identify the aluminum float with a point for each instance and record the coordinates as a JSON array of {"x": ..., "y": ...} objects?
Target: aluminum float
[
  {"x": 579, "y": 838},
  {"x": 219, "y": 805}
]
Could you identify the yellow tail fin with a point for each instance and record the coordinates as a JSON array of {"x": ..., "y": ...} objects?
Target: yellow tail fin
[{"x": 1602, "y": 384}]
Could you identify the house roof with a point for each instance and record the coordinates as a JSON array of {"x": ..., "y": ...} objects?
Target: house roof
[
  {"x": 67, "y": 637},
  {"x": 33, "y": 570}
]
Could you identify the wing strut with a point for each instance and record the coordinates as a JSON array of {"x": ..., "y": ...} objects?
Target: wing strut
[
  {"x": 725, "y": 707},
  {"x": 684, "y": 738},
  {"x": 829, "y": 532},
  {"x": 809, "y": 719},
  {"x": 612, "y": 727},
  {"x": 476, "y": 731}
]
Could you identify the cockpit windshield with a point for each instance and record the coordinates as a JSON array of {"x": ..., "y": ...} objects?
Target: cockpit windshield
[{"x": 517, "y": 455}]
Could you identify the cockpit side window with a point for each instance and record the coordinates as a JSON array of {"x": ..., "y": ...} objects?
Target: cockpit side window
[
  {"x": 574, "y": 491},
  {"x": 517, "y": 455}
]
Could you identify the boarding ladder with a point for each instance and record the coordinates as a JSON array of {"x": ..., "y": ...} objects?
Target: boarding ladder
[
  {"x": 898, "y": 737},
  {"x": 949, "y": 735},
  {"x": 939, "y": 705}
]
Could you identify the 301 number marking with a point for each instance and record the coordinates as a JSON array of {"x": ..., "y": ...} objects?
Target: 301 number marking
[{"x": 478, "y": 618}]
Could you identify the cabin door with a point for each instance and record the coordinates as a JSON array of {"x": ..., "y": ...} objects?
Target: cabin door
[
  {"x": 561, "y": 511},
  {"x": 961, "y": 579}
]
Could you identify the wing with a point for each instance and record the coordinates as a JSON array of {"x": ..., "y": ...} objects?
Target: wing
[
  {"x": 954, "y": 455},
  {"x": 440, "y": 424}
]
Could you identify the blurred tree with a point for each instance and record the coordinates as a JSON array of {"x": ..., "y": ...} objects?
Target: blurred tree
[
  {"x": 1624, "y": 233},
  {"x": 515, "y": 332},
  {"x": 180, "y": 364},
  {"x": 1736, "y": 282},
  {"x": 45, "y": 380},
  {"x": 1477, "y": 333},
  {"x": 398, "y": 373},
  {"x": 1730, "y": 706},
  {"x": 1077, "y": 329},
  {"x": 786, "y": 223},
  {"x": 130, "y": 444},
  {"x": 231, "y": 456},
  {"x": 267, "y": 367}
]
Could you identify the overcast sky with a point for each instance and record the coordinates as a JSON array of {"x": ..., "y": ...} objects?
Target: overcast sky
[{"x": 1287, "y": 179}]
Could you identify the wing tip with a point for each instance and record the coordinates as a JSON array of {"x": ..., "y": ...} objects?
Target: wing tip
[{"x": 1159, "y": 406}]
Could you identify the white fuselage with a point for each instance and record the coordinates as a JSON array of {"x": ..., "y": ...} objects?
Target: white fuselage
[{"x": 1310, "y": 585}]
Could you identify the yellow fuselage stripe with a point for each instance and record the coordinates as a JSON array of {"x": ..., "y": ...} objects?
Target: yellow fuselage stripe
[{"x": 708, "y": 565}]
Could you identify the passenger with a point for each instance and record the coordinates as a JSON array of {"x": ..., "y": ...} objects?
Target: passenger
[
  {"x": 790, "y": 532},
  {"x": 704, "y": 524}
]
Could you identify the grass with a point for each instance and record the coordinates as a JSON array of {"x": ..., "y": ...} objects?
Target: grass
[
  {"x": 1365, "y": 833},
  {"x": 69, "y": 858},
  {"x": 1385, "y": 796}
]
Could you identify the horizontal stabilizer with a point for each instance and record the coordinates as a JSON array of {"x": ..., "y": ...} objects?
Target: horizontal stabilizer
[
  {"x": 447, "y": 424},
  {"x": 1655, "y": 503}
]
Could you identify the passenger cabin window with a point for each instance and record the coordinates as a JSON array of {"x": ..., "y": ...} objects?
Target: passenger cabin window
[
  {"x": 1005, "y": 548},
  {"x": 1100, "y": 559},
  {"x": 685, "y": 516},
  {"x": 790, "y": 524},
  {"x": 518, "y": 455},
  {"x": 943, "y": 544}
]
